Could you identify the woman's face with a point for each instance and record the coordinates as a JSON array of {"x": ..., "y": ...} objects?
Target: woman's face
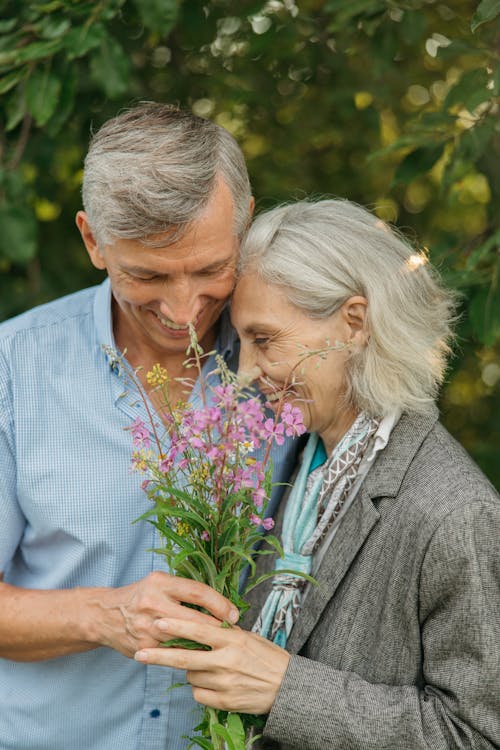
[{"x": 284, "y": 349}]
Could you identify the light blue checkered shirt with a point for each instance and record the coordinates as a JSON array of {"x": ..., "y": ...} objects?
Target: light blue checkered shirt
[{"x": 67, "y": 502}]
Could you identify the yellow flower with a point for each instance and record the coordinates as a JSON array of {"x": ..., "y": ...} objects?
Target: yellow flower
[
  {"x": 182, "y": 528},
  {"x": 157, "y": 375},
  {"x": 140, "y": 460}
]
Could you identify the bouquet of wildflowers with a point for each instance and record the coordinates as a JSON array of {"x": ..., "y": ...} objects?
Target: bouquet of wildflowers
[{"x": 209, "y": 494}]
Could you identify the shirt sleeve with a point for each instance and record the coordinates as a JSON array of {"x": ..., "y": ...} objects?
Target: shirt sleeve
[
  {"x": 458, "y": 705},
  {"x": 12, "y": 521}
]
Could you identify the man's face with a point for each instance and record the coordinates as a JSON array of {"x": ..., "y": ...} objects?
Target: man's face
[{"x": 158, "y": 291}]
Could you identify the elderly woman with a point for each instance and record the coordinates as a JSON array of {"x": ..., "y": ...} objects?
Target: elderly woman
[{"x": 397, "y": 647}]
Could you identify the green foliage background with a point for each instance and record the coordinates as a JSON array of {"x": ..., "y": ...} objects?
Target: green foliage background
[{"x": 390, "y": 103}]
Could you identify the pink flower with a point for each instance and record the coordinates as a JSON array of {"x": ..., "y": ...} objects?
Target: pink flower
[
  {"x": 275, "y": 431},
  {"x": 141, "y": 437},
  {"x": 291, "y": 416},
  {"x": 266, "y": 523},
  {"x": 258, "y": 497},
  {"x": 205, "y": 536}
]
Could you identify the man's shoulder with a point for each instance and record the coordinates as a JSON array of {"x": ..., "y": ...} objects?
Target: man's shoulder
[{"x": 60, "y": 311}]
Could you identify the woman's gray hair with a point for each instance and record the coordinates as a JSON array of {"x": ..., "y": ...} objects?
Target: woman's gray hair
[
  {"x": 321, "y": 253},
  {"x": 152, "y": 170}
]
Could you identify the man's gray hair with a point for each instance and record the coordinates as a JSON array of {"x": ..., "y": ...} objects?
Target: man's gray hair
[
  {"x": 321, "y": 253},
  {"x": 153, "y": 168}
]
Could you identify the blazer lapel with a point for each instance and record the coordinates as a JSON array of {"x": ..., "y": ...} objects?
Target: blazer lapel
[
  {"x": 384, "y": 480},
  {"x": 355, "y": 527}
]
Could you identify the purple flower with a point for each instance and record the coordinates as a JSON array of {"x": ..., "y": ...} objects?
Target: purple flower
[
  {"x": 275, "y": 431},
  {"x": 141, "y": 436},
  {"x": 291, "y": 416},
  {"x": 268, "y": 524},
  {"x": 258, "y": 497}
]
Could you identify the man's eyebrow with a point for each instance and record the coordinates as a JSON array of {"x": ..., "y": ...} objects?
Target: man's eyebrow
[{"x": 216, "y": 265}]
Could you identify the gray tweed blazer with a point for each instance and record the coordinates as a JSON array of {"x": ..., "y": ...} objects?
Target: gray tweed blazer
[{"x": 398, "y": 648}]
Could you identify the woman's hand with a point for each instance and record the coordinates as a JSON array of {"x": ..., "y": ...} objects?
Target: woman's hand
[{"x": 242, "y": 672}]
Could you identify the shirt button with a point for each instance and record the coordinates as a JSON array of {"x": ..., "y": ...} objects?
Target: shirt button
[{"x": 155, "y": 713}]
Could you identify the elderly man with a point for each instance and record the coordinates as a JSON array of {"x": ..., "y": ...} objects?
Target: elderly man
[{"x": 167, "y": 199}]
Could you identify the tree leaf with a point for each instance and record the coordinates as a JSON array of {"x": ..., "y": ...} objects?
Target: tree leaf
[
  {"x": 486, "y": 11},
  {"x": 15, "y": 109},
  {"x": 470, "y": 90},
  {"x": 10, "y": 80},
  {"x": 35, "y": 51},
  {"x": 110, "y": 68},
  {"x": 484, "y": 314},
  {"x": 417, "y": 162},
  {"x": 42, "y": 95},
  {"x": 158, "y": 15},
  {"x": 18, "y": 239},
  {"x": 82, "y": 39},
  {"x": 66, "y": 102},
  {"x": 52, "y": 28}
]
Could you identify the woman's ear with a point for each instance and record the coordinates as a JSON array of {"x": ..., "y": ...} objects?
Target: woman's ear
[
  {"x": 90, "y": 241},
  {"x": 354, "y": 314}
]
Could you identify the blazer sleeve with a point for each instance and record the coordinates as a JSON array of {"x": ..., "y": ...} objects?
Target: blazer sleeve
[{"x": 458, "y": 705}]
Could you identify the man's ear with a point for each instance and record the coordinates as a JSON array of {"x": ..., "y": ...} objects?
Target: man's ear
[
  {"x": 89, "y": 241},
  {"x": 354, "y": 314}
]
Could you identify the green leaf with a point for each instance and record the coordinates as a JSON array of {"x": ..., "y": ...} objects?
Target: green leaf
[
  {"x": 52, "y": 28},
  {"x": 272, "y": 573},
  {"x": 483, "y": 251},
  {"x": 35, "y": 51},
  {"x": 236, "y": 730},
  {"x": 221, "y": 731},
  {"x": 15, "y": 109},
  {"x": 6, "y": 26},
  {"x": 417, "y": 162},
  {"x": 470, "y": 90},
  {"x": 81, "y": 40},
  {"x": 185, "y": 643},
  {"x": 42, "y": 95},
  {"x": 486, "y": 11},
  {"x": 10, "y": 80},
  {"x": 18, "y": 240},
  {"x": 158, "y": 15},
  {"x": 66, "y": 102},
  {"x": 484, "y": 314},
  {"x": 110, "y": 68}
]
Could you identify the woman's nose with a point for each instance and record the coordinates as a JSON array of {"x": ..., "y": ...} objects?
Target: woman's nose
[{"x": 248, "y": 369}]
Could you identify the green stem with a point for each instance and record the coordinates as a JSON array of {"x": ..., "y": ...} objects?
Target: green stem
[{"x": 217, "y": 742}]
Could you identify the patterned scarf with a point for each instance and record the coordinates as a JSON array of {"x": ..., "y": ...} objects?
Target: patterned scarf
[{"x": 314, "y": 504}]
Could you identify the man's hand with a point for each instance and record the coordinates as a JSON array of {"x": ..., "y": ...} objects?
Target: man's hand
[
  {"x": 43, "y": 624},
  {"x": 126, "y": 618},
  {"x": 242, "y": 672}
]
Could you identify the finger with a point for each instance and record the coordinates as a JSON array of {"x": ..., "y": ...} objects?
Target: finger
[
  {"x": 177, "y": 658},
  {"x": 208, "y": 698},
  {"x": 194, "y": 592},
  {"x": 181, "y": 612},
  {"x": 213, "y": 636}
]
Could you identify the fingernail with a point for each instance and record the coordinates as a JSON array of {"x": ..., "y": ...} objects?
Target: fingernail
[
  {"x": 234, "y": 616},
  {"x": 141, "y": 656}
]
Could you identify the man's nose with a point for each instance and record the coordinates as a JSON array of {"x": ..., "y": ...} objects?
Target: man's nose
[{"x": 180, "y": 302}]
